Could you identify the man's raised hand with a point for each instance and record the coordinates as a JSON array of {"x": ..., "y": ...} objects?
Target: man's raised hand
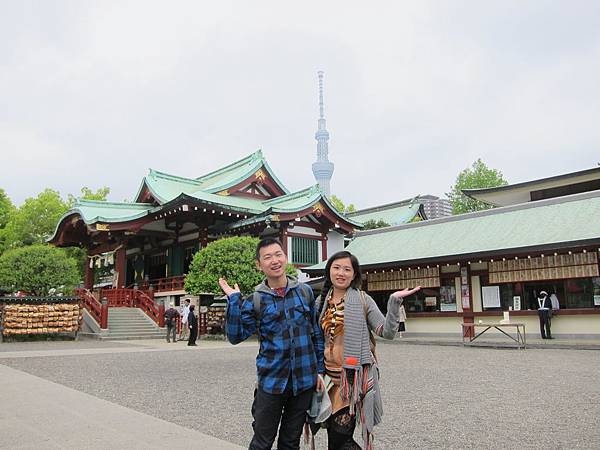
[{"x": 228, "y": 289}]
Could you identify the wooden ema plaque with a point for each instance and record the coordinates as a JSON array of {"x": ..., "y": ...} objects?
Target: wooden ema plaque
[
  {"x": 400, "y": 279},
  {"x": 555, "y": 267}
]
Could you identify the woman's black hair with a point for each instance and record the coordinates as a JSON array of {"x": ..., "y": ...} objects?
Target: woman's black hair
[
  {"x": 356, "y": 281},
  {"x": 192, "y": 307}
]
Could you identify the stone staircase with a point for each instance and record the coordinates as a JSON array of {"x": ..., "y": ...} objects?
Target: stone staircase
[{"x": 131, "y": 323}]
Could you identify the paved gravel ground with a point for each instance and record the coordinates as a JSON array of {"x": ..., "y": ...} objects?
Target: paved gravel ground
[
  {"x": 435, "y": 397},
  {"x": 61, "y": 345}
]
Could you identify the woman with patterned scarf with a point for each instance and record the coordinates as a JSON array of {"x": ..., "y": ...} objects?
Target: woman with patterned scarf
[{"x": 349, "y": 318}]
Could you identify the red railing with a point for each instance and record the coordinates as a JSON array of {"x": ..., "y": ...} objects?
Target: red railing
[
  {"x": 135, "y": 298},
  {"x": 98, "y": 311},
  {"x": 119, "y": 297},
  {"x": 163, "y": 284},
  {"x": 145, "y": 302}
]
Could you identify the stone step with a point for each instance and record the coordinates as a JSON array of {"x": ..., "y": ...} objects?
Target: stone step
[
  {"x": 131, "y": 338},
  {"x": 116, "y": 329},
  {"x": 131, "y": 323},
  {"x": 126, "y": 321}
]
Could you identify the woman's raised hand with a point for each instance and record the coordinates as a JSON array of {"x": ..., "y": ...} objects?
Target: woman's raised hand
[
  {"x": 405, "y": 292},
  {"x": 228, "y": 289}
]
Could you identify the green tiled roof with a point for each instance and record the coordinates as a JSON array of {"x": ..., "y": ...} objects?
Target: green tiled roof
[
  {"x": 165, "y": 187},
  {"x": 394, "y": 214},
  {"x": 235, "y": 172},
  {"x": 560, "y": 220},
  {"x": 93, "y": 211},
  {"x": 296, "y": 201}
]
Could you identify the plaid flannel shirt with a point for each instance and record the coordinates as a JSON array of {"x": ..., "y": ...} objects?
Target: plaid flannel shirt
[{"x": 291, "y": 340}]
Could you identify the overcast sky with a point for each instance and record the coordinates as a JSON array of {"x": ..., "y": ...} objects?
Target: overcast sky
[{"x": 95, "y": 93}]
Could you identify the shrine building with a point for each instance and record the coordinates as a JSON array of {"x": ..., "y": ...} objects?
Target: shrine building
[
  {"x": 541, "y": 235},
  {"x": 151, "y": 241}
]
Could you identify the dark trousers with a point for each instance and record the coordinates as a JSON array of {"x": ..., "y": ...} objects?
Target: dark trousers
[
  {"x": 172, "y": 331},
  {"x": 269, "y": 409},
  {"x": 544, "y": 323},
  {"x": 193, "y": 336}
]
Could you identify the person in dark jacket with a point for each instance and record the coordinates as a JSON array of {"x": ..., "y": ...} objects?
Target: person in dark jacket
[
  {"x": 171, "y": 316},
  {"x": 545, "y": 314},
  {"x": 193, "y": 324},
  {"x": 290, "y": 360}
]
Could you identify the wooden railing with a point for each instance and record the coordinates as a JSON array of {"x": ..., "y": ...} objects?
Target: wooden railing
[
  {"x": 98, "y": 311},
  {"x": 162, "y": 284},
  {"x": 118, "y": 297},
  {"x": 145, "y": 302},
  {"x": 135, "y": 298}
]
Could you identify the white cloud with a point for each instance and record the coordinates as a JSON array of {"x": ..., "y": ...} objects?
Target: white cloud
[{"x": 415, "y": 91}]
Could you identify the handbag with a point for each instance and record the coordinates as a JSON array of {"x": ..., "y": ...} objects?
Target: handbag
[{"x": 320, "y": 403}]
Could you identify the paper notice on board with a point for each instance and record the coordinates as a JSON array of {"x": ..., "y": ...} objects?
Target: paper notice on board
[{"x": 491, "y": 296}]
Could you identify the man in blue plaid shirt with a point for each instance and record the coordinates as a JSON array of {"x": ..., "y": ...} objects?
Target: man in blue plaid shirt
[{"x": 290, "y": 359}]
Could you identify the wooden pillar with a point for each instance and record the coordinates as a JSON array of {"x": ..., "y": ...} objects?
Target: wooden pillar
[
  {"x": 467, "y": 303},
  {"x": 283, "y": 239},
  {"x": 89, "y": 275},
  {"x": 120, "y": 267},
  {"x": 324, "y": 247}
]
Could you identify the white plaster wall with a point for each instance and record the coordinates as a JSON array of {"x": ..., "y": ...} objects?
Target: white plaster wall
[
  {"x": 335, "y": 242},
  {"x": 304, "y": 230},
  {"x": 459, "y": 307}
]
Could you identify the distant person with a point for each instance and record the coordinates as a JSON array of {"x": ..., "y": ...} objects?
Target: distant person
[
  {"x": 192, "y": 322},
  {"x": 171, "y": 316},
  {"x": 290, "y": 359},
  {"x": 545, "y": 314},
  {"x": 401, "y": 320},
  {"x": 555, "y": 303},
  {"x": 185, "y": 311}
]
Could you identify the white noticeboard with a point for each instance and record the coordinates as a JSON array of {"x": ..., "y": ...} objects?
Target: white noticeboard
[
  {"x": 491, "y": 296},
  {"x": 517, "y": 303}
]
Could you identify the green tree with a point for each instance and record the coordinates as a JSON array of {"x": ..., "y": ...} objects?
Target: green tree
[
  {"x": 36, "y": 219},
  {"x": 7, "y": 209},
  {"x": 372, "y": 224},
  {"x": 36, "y": 269},
  {"x": 231, "y": 258},
  {"x": 340, "y": 206},
  {"x": 478, "y": 176},
  {"x": 101, "y": 194}
]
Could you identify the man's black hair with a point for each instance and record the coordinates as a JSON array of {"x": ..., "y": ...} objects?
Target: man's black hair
[
  {"x": 187, "y": 300},
  {"x": 265, "y": 243},
  {"x": 356, "y": 281}
]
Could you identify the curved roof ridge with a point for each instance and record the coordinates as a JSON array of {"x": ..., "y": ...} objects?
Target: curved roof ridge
[
  {"x": 293, "y": 195},
  {"x": 255, "y": 156},
  {"x": 103, "y": 203},
  {"x": 168, "y": 176},
  {"x": 406, "y": 202}
]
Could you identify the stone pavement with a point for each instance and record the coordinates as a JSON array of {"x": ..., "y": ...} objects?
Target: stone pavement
[
  {"x": 37, "y": 413},
  {"x": 141, "y": 394},
  {"x": 498, "y": 341}
]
